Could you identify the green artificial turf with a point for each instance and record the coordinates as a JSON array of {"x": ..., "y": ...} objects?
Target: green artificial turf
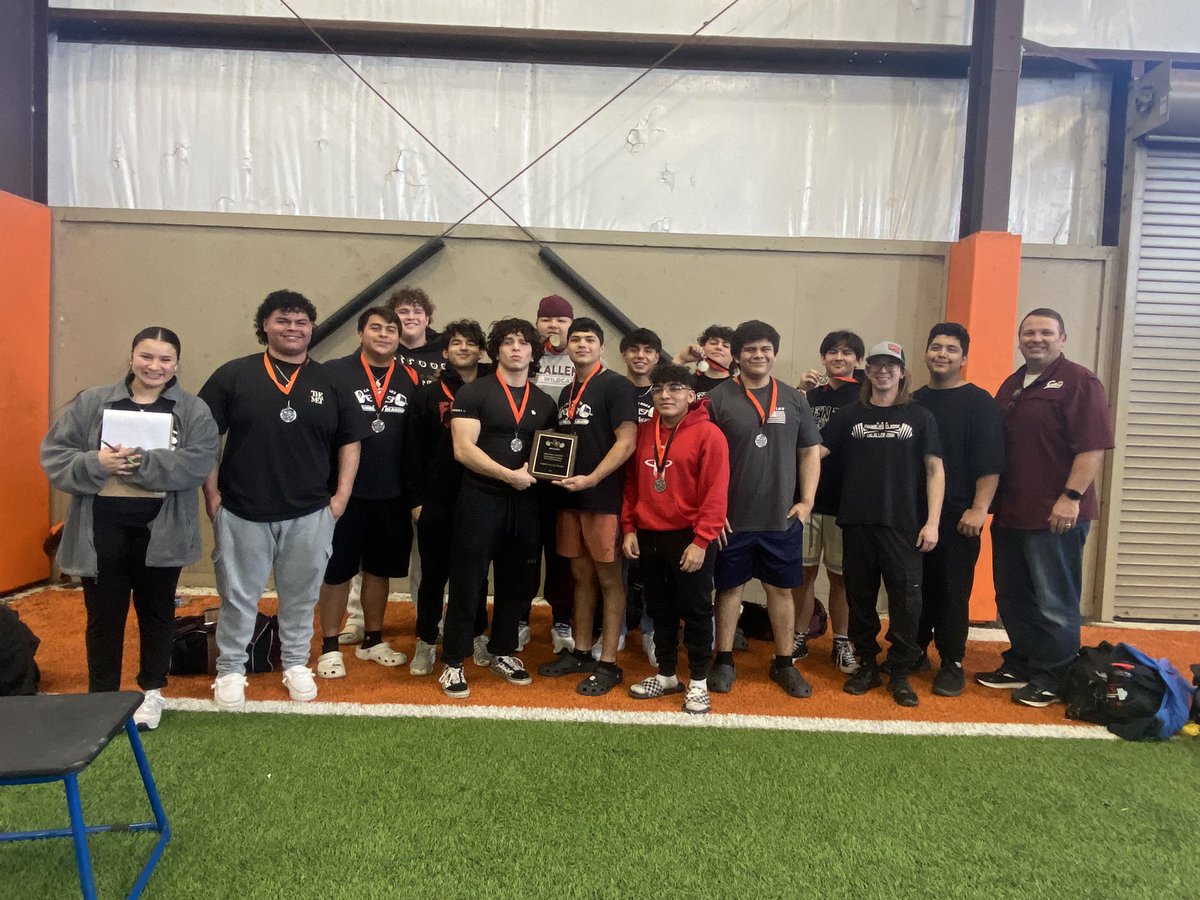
[{"x": 292, "y": 806}]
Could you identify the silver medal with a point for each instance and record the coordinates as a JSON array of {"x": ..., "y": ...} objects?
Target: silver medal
[
  {"x": 702, "y": 366},
  {"x": 660, "y": 484},
  {"x": 287, "y": 414},
  {"x": 377, "y": 426},
  {"x": 516, "y": 445},
  {"x": 822, "y": 380},
  {"x": 760, "y": 440}
]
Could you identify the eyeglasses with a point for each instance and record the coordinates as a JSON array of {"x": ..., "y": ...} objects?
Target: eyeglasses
[
  {"x": 883, "y": 367},
  {"x": 672, "y": 388}
]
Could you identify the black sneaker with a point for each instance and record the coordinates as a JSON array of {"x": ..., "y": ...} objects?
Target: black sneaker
[
  {"x": 792, "y": 682},
  {"x": 454, "y": 683},
  {"x": 902, "y": 691},
  {"x": 1032, "y": 695},
  {"x": 865, "y": 679},
  {"x": 950, "y": 680},
  {"x": 721, "y": 678},
  {"x": 511, "y": 670},
  {"x": 1002, "y": 679},
  {"x": 799, "y": 646}
]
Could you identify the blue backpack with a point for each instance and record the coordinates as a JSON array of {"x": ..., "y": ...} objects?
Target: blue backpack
[{"x": 1153, "y": 702}]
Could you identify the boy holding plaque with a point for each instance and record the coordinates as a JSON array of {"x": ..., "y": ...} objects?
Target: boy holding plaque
[
  {"x": 599, "y": 408},
  {"x": 492, "y": 422},
  {"x": 676, "y": 490}
]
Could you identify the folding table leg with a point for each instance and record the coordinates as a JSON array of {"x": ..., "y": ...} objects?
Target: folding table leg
[
  {"x": 83, "y": 859},
  {"x": 160, "y": 815}
]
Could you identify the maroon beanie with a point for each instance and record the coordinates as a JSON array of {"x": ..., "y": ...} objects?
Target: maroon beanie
[{"x": 555, "y": 306}]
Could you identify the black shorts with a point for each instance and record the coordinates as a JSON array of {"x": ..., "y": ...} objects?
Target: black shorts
[{"x": 374, "y": 536}]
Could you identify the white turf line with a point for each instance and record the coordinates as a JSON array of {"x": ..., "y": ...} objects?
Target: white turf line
[{"x": 612, "y": 717}]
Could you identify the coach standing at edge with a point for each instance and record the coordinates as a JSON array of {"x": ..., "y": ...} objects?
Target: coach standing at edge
[{"x": 1056, "y": 429}]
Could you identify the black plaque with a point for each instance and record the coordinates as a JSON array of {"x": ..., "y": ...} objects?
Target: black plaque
[{"x": 552, "y": 456}]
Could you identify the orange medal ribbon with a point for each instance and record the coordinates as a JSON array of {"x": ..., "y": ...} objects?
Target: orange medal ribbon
[
  {"x": 518, "y": 413},
  {"x": 574, "y": 403},
  {"x": 378, "y": 392},
  {"x": 758, "y": 406},
  {"x": 285, "y": 388}
]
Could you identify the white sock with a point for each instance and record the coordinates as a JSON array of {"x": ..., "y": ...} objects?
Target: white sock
[
  {"x": 701, "y": 683},
  {"x": 667, "y": 681},
  {"x": 840, "y": 637}
]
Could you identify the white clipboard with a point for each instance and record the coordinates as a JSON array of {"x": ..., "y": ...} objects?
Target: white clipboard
[{"x": 126, "y": 428}]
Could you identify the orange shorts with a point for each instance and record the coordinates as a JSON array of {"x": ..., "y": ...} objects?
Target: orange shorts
[{"x": 588, "y": 534}]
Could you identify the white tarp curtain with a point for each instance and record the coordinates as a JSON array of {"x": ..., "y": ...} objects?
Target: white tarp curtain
[{"x": 687, "y": 152}]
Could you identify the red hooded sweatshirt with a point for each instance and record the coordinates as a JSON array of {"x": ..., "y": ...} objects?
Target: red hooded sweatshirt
[{"x": 696, "y": 473}]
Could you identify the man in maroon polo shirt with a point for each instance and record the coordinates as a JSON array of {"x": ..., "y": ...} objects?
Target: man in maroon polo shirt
[{"x": 1056, "y": 429}]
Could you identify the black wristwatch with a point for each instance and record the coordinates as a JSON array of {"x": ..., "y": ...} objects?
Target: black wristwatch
[{"x": 1072, "y": 495}]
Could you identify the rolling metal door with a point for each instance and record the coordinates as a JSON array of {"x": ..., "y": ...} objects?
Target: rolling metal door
[{"x": 1158, "y": 558}]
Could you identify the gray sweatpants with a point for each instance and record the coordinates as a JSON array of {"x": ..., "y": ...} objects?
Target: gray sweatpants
[{"x": 245, "y": 554}]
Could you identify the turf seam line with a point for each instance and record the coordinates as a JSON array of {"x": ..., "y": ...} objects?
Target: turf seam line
[{"x": 676, "y": 719}]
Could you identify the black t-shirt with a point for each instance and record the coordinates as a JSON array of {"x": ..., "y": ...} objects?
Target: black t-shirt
[
  {"x": 134, "y": 512},
  {"x": 609, "y": 400},
  {"x": 703, "y": 384},
  {"x": 427, "y": 360},
  {"x": 432, "y": 475},
  {"x": 274, "y": 469},
  {"x": 378, "y": 475},
  {"x": 883, "y": 450},
  {"x": 645, "y": 403},
  {"x": 485, "y": 400},
  {"x": 825, "y": 401},
  {"x": 971, "y": 430}
]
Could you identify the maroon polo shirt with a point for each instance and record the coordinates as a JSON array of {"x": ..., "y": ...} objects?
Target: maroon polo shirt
[{"x": 1046, "y": 425}]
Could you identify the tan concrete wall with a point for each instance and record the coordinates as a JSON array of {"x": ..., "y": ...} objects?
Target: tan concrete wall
[{"x": 202, "y": 275}]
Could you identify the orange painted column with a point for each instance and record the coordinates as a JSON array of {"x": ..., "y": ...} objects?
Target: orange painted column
[
  {"x": 25, "y": 400},
  {"x": 982, "y": 290}
]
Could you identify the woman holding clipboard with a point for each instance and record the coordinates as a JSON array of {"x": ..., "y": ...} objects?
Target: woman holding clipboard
[{"x": 132, "y": 455}]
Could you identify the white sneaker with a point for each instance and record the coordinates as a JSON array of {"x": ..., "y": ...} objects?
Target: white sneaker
[
  {"x": 561, "y": 638},
  {"x": 648, "y": 646},
  {"x": 482, "y": 657},
  {"x": 524, "y": 635},
  {"x": 229, "y": 692},
  {"x": 147, "y": 716},
  {"x": 300, "y": 684},
  {"x": 423, "y": 658},
  {"x": 598, "y": 647},
  {"x": 454, "y": 683}
]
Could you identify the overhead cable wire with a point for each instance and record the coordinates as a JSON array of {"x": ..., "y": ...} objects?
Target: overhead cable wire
[{"x": 491, "y": 197}]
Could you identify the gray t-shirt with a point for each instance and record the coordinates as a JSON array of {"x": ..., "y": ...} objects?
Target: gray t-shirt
[{"x": 762, "y": 479}]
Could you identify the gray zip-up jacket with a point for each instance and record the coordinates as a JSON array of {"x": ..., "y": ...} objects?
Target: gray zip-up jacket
[{"x": 72, "y": 463}]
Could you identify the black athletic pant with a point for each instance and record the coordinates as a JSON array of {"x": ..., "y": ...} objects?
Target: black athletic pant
[
  {"x": 500, "y": 529},
  {"x": 559, "y": 587},
  {"x": 121, "y": 570},
  {"x": 875, "y": 552},
  {"x": 949, "y": 575},
  {"x": 435, "y": 533},
  {"x": 672, "y": 594}
]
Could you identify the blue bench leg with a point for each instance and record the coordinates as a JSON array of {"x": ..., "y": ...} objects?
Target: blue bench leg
[
  {"x": 83, "y": 859},
  {"x": 160, "y": 815}
]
